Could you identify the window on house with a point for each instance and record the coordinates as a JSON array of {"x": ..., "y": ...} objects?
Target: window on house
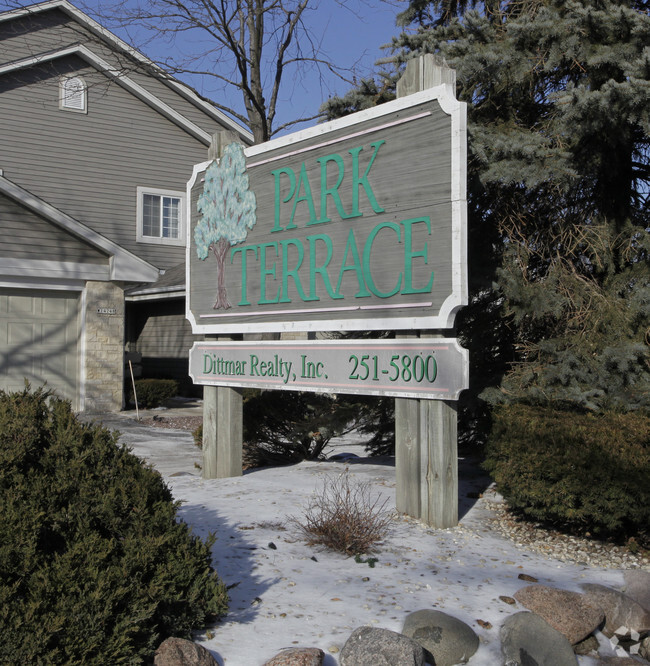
[
  {"x": 73, "y": 94},
  {"x": 161, "y": 216}
]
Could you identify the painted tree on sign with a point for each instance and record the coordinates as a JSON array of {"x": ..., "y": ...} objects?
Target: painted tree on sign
[{"x": 227, "y": 210}]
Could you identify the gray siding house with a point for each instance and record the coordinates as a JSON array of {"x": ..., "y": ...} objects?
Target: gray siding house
[{"x": 96, "y": 146}]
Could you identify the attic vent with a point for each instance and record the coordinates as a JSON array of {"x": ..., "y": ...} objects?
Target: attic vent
[{"x": 72, "y": 94}]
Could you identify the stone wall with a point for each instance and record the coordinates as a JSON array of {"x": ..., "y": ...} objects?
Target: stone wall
[{"x": 104, "y": 346}]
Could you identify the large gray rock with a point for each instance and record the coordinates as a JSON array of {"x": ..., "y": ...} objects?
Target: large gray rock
[
  {"x": 637, "y": 586},
  {"x": 446, "y": 639},
  {"x": 528, "y": 640},
  {"x": 298, "y": 657},
  {"x": 372, "y": 646},
  {"x": 567, "y": 612},
  {"x": 179, "y": 652},
  {"x": 620, "y": 610}
]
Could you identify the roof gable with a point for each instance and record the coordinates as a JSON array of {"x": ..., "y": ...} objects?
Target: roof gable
[
  {"x": 126, "y": 82},
  {"x": 124, "y": 265},
  {"x": 119, "y": 45}
]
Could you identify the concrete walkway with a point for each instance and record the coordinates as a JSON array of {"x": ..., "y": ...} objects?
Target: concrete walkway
[{"x": 172, "y": 452}]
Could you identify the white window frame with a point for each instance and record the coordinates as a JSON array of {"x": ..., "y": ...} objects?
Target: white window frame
[
  {"x": 68, "y": 100},
  {"x": 160, "y": 240}
]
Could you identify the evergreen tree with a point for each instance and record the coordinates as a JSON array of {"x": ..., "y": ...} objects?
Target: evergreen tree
[{"x": 558, "y": 98}]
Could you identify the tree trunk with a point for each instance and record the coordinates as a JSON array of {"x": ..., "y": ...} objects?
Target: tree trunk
[{"x": 220, "y": 251}]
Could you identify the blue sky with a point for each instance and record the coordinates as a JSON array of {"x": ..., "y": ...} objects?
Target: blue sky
[{"x": 352, "y": 33}]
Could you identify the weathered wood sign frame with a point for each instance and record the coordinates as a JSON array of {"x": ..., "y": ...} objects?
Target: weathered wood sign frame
[{"x": 356, "y": 224}]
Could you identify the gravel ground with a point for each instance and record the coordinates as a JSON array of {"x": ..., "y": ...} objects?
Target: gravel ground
[
  {"x": 587, "y": 552},
  {"x": 524, "y": 535},
  {"x": 175, "y": 422}
]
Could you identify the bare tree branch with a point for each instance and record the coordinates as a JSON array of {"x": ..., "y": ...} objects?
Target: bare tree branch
[{"x": 244, "y": 45}]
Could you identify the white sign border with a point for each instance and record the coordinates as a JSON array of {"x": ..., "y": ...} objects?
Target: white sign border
[{"x": 445, "y": 95}]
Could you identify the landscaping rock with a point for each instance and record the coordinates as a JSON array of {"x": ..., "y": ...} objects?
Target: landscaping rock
[
  {"x": 620, "y": 610},
  {"x": 527, "y": 640},
  {"x": 372, "y": 646},
  {"x": 179, "y": 652},
  {"x": 298, "y": 657},
  {"x": 446, "y": 640},
  {"x": 567, "y": 612},
  {"x": 644, "y": 648},
  {"x": 637, "y": 586},
  {"x": 587, "y": 646}
]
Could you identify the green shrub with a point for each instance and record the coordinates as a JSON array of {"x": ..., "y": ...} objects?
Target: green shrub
[
  {"x": 582, "y": 472},
  {"x": 153, "y": 392},
  {"x": 94, "y": 566},
  {"x": 285, "y": 427}
]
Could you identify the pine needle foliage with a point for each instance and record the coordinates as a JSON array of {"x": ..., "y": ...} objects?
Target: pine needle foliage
[
  {"x": 95, "y": 568},
  {"x": 285, "y": 427},
  {"x": 558, "y": 97}
]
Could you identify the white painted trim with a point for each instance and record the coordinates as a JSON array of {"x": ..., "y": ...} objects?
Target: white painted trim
[
  {"x": 196, "y": 171},
  {"x": 65, "y": 97},
  {"x": 67, "y": 270},
  {"x": 95, "y": 27},
  {"x": 19, "y": 282},
  {"x": 83, "y": 303},
  {"x": 443, "y": 94},
  {"x": 122, "y": 264},
  {"x": 176, "y": 194},
  {"x": 163, "y": 294}
]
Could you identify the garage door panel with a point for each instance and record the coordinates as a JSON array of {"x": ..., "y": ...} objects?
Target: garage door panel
[
  {"x": 39, "y": 340},
  {"x": 54, "y": 335},
  {"x": 54, "y": 366},
  {"x": 17, "y": 364},
  {"x": 20, "y": 333},
  {"x": 21, "y": 305},
  {"x": 57, "y": 307}
]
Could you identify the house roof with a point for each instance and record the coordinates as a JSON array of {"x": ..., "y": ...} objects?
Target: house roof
[
  {"x": 123, "y": 265},
  {"x": 185, "y": 91},
  {"x": 170, "y": 284}
]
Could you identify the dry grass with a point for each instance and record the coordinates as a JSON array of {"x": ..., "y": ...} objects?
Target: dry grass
[{"x": 345, "y": 516}]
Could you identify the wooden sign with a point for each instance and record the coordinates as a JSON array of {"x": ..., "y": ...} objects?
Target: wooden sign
[
  {"x": 356, "y": 224},
  {"x": 434, "y": 368}
]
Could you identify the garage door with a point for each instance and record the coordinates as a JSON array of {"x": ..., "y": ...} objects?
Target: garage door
[{"x": 39, "y": 334}]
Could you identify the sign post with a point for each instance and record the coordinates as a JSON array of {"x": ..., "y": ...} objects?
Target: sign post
[
  {"x": 356, "y": 224},
  {"x": 426, "y": 432}
]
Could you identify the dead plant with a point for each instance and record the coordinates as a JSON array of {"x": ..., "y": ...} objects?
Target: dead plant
[{"x": 345, "y": 516}]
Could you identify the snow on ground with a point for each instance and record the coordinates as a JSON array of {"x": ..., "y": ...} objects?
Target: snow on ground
[{"x": 285, "y": 593}]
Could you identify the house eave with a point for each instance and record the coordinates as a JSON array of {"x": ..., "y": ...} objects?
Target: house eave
[
  {"x": 153, "y": 294},
  {"x": 122, "y": 265}
]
